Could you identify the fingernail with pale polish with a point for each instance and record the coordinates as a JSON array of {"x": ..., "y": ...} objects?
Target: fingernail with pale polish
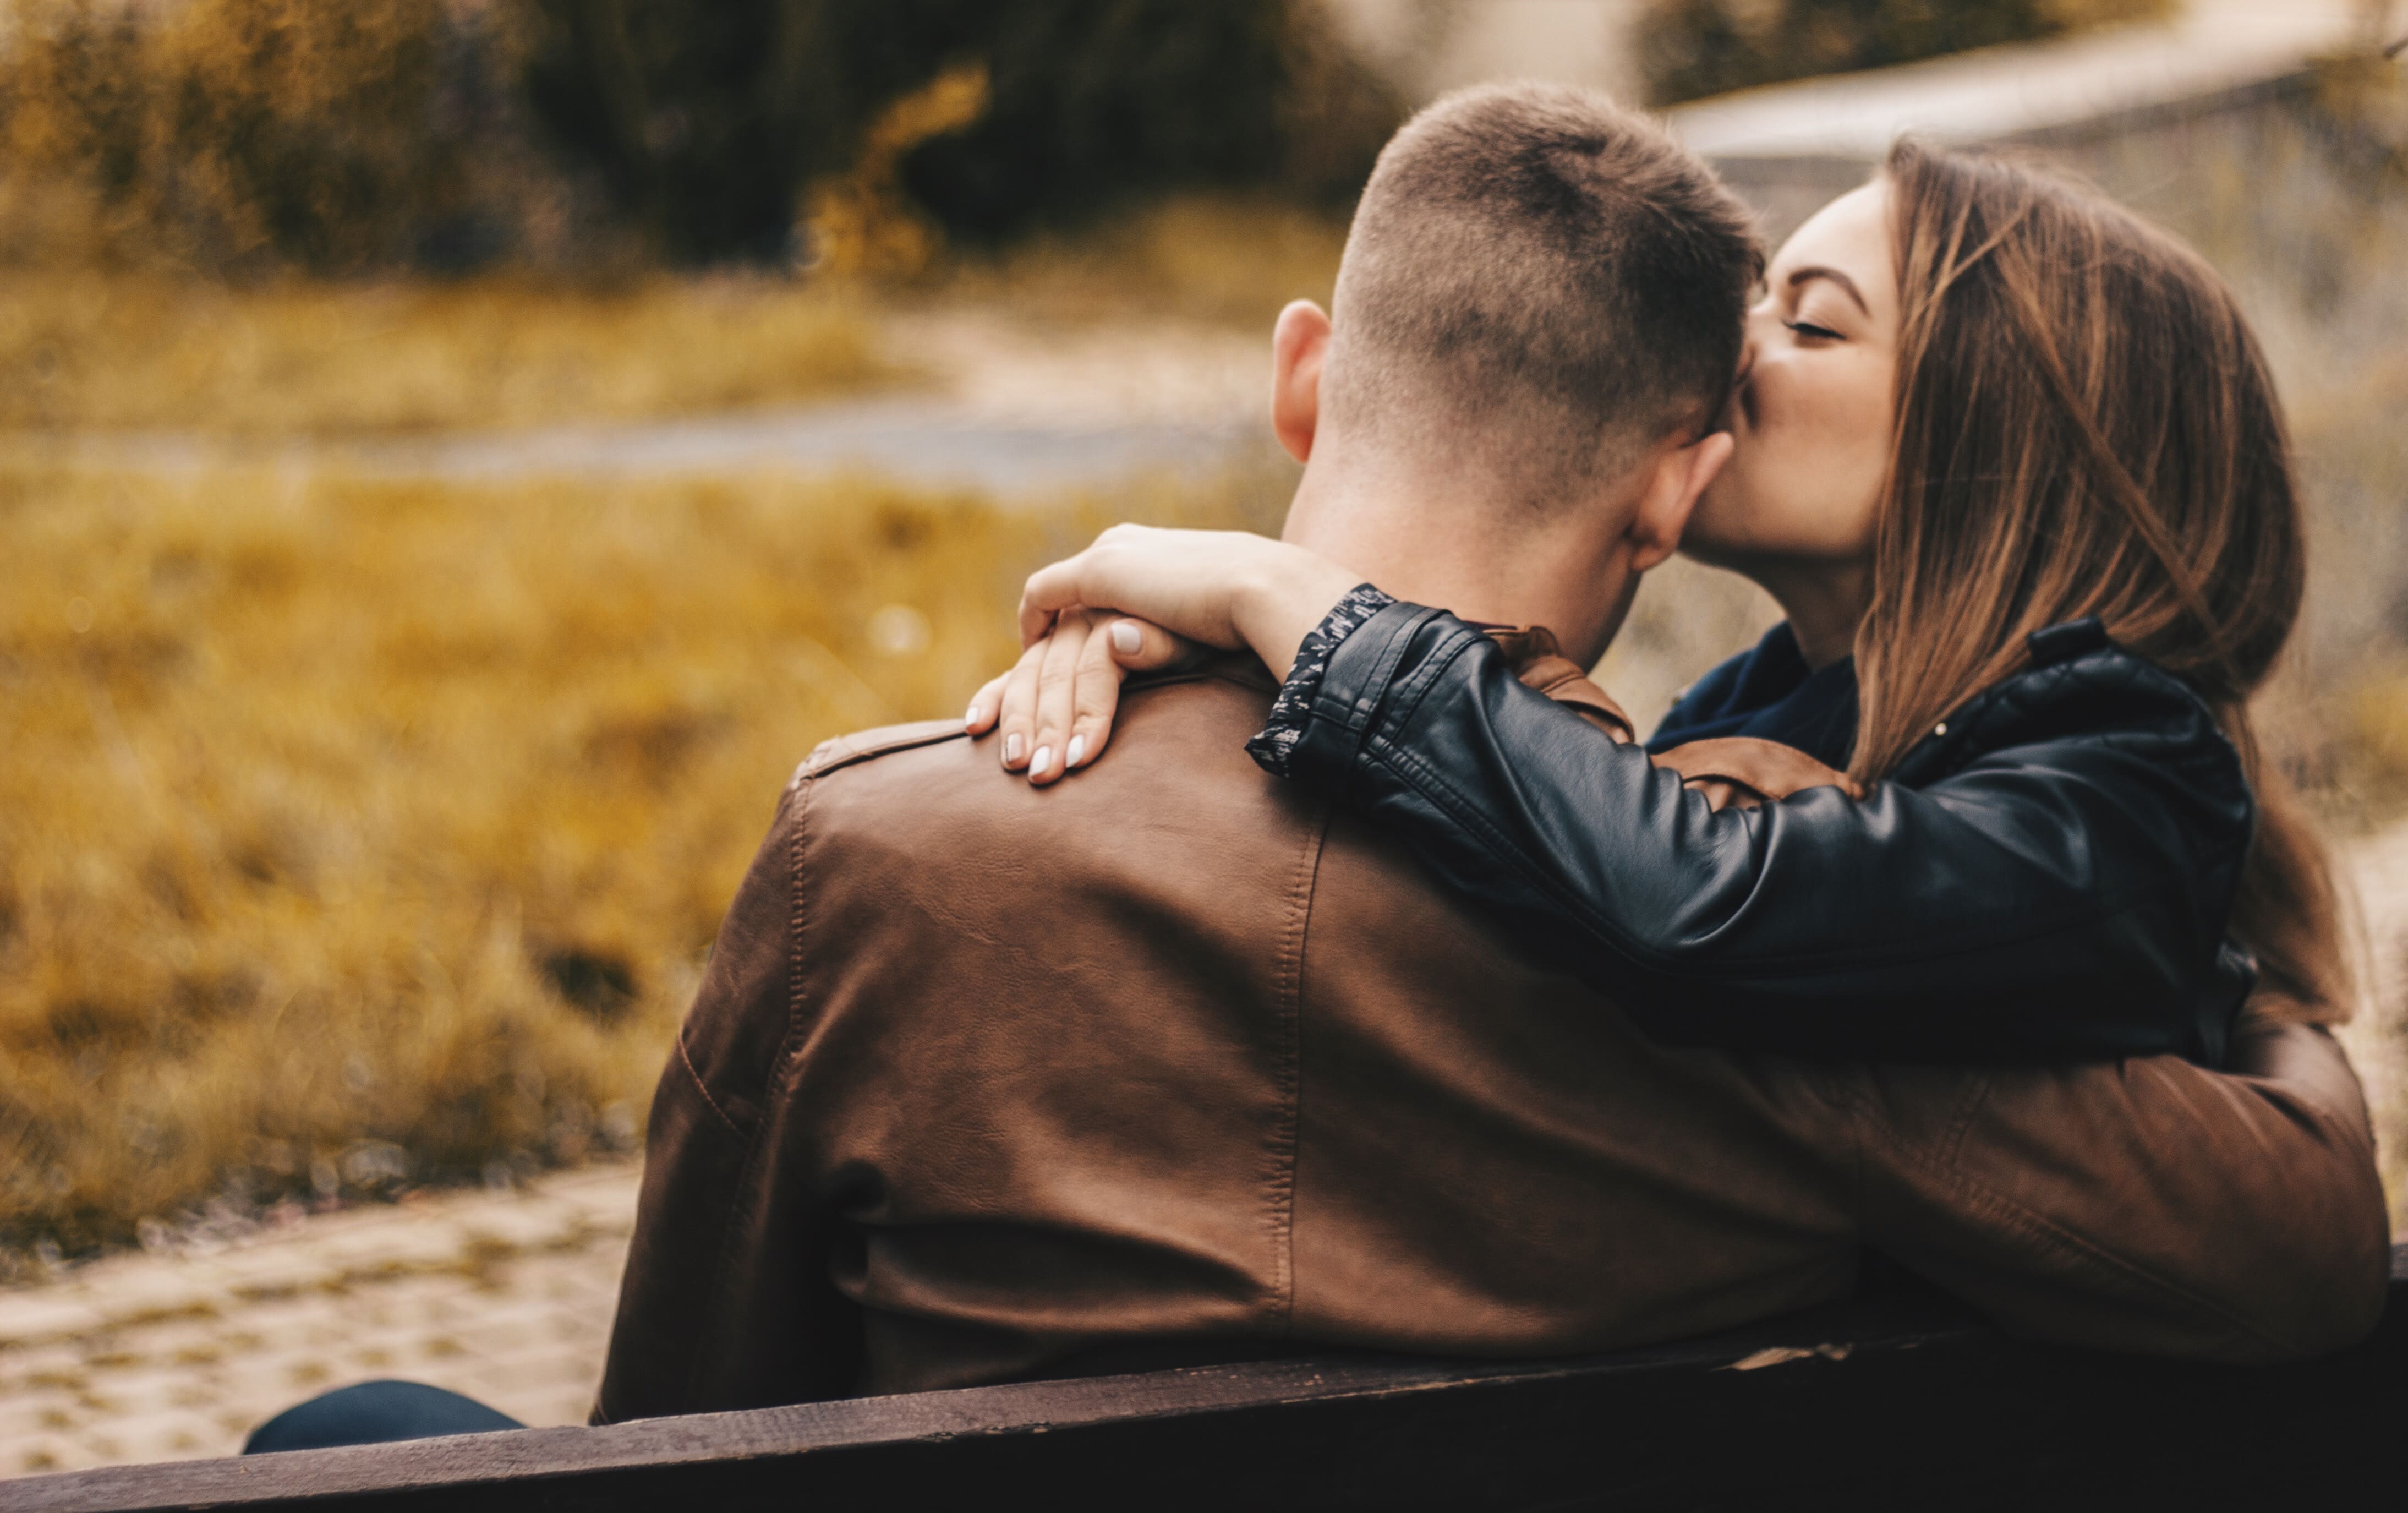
[
  {"x": 971, "y": 718},
  {"x": 1078, "y": 749},
  {"x": 1042, "y": 762},
  {"x": 1124, "y": 640},
  {"x": 1011, "y": 748}
]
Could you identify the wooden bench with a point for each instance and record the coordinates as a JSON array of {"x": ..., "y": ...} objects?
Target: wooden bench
[{"x": 1900, "y": 1401}]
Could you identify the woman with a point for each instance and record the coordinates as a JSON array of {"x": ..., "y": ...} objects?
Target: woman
[{"x": 2011, "y": 464}]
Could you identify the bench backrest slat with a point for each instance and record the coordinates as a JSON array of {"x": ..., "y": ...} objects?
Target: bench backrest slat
[{"x": 1898, "y": 1402}]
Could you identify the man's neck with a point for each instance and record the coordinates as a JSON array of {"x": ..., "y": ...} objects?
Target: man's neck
[{"x": 1435, "y": 540}]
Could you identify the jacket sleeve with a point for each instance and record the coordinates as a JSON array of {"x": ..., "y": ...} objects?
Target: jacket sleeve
[
  {"x": 2060, "y": 898},
  {"x": 2234, "y": 1216}
]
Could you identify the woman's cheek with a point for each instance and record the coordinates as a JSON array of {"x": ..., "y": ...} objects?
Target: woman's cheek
[{"x": 1739, "y": 510}]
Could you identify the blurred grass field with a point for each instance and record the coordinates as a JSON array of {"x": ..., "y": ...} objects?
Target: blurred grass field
[
  {"x": 88, "y": 349},
  {"x": 91, "y": 350},
  {"x": 364, "y": 833}
]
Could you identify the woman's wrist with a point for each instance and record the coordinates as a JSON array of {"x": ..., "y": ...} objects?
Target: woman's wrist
[{"x": 1290, "y": 593}]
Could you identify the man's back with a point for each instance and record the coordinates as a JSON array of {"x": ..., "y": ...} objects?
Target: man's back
[{"x": 983, "y": 1077}]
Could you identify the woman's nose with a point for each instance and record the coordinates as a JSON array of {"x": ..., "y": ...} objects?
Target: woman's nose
[
  {"x": 1746, "y": 365},
  {"x": 1741, "y": 398}
]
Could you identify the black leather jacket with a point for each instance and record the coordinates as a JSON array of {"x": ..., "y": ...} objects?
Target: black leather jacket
[{"x": 2047, "y": 876}]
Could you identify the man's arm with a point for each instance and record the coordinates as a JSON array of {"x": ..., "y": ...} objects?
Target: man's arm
[
  {"x": 2148, "y": 1205},
  {"x": 725, "y": 1302}
]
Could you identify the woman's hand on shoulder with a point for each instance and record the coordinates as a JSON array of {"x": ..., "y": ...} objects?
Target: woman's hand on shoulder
[
  {"x": 1230, "y": 589},
  {"x": 1141, "y": 599},
  {"x": 1188, "y": 582},
  {"x": 1054, "y": 708}
]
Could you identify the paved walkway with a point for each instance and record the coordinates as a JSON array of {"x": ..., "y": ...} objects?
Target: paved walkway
[
  {"x": 1015, "y": 408},
  {"x": 507, "y": 1297}
]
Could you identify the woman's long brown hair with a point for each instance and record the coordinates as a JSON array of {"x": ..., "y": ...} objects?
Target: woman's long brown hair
[{"x": 2085, "y": 426}]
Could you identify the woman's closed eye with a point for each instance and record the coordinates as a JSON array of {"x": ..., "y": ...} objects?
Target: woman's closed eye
[{"x": 1813, "y": 332}]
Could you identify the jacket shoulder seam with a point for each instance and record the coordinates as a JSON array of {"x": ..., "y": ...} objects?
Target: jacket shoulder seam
[
  {"x": 789, "y": 1045},
  {"x": 841, "y": 751}
]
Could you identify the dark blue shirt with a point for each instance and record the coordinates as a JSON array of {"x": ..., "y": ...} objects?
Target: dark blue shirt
[{"x": 1770, "y": 693}]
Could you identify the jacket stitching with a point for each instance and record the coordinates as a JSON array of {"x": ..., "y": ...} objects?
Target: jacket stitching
[
  {"x": 1282, "y": 1144},
  {"x": 2091, "y": 1256},
  {"x": 1358, "y": 715},
  {"x": 2104, "y": 1262},
  {"x": 1418, "y": 685},
  {"x": 790, "y": 1046},
  {"x": 1394, "y": 703},
  {"x": 686, "y": 1060},
  {"x": 1977, "y": 1094}
]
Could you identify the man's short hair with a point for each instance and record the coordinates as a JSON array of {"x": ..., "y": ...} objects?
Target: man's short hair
[{"x": 1548, "y": 271}]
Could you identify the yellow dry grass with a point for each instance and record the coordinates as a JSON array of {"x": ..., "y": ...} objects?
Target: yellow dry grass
[
  {"x": 375, "y": 830},
  {"x": 85, "y": 349}
]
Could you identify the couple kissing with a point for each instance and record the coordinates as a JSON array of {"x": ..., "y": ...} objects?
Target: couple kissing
[{"x": 1332, "y": 963}]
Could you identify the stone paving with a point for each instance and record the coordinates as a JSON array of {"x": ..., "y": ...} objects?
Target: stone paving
[
  {"x": 2376, "y": 869},
  {"x": 507, "y": 1297}
]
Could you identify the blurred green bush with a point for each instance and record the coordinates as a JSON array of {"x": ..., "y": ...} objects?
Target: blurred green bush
[
  {"x": 708, "y": 121},
  {"x": 1693, "y": 47},
  {"x": 1097, "y": 101},
  {"x": 225, "y": 133},
  {"x": 337, "y": 136}
]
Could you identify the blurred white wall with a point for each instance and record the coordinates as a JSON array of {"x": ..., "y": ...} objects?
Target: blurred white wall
[
  {"x": 2206, "y": 49},
  {"x": 1427, "y": 47}
]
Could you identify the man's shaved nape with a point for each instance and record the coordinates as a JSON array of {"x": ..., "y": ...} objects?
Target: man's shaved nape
[{"x": 1542, "y": 274}]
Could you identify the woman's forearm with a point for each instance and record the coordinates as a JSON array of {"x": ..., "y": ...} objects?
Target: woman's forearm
[
  {"x": 1282, "y": 598},
  {"x": 1223, "y": 588}
]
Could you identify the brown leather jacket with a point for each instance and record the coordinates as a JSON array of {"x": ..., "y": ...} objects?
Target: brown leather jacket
[{"x": 982, "y": 1076}]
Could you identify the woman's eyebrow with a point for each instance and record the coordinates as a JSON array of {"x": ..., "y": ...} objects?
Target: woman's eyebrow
[{"x": 1847, "y": 284}]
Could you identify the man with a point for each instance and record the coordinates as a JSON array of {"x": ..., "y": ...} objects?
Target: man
[{"x": 1170, "y": 1063}]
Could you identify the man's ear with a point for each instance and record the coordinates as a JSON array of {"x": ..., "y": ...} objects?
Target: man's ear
[
  {"x": 1298, "y": 343},
  {"x": 1679, "y": 475}
]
